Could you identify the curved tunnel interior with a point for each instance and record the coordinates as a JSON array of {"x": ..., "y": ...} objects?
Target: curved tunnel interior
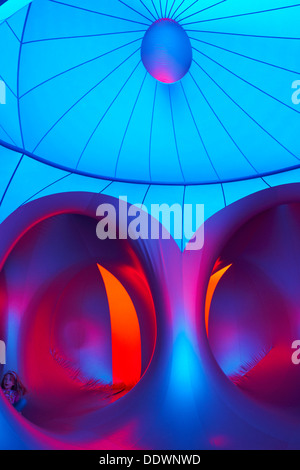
[
  {"x": 78, "y": 320},
  {"x": 252, "y": 308}
]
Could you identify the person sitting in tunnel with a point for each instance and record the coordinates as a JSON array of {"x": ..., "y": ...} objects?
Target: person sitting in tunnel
[{"x": 14, "y": 390}]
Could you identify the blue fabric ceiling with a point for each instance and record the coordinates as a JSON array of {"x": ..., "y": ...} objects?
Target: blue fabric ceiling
[{"x": 80, "y": 99}]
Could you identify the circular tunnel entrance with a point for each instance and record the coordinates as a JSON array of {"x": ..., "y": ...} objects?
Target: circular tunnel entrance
[
  {"x": 78, "y": 319},
  {"x": 252, "y": 308}
]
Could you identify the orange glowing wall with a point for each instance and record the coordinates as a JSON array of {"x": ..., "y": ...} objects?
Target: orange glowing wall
[
  {"x": 212, "y": 285},
  {"x": 125, "y": 332}
]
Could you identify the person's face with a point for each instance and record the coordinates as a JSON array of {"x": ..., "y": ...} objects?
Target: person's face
[{"x": 8, "y": 382}]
